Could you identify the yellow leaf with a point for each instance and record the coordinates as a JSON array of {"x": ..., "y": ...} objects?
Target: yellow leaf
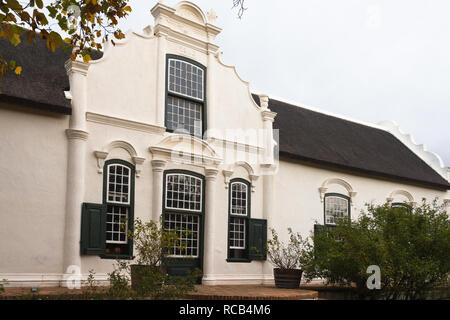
[
  {"x": 87, "y": 58},
  {"x": 18, "y": 70}
]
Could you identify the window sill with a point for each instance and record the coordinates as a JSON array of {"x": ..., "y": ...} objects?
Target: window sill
[
  {"x": 235, "y": 260},
  {"x": 116, "y": 257}
]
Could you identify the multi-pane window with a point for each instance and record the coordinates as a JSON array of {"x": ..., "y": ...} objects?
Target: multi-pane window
[
  {"x": 184, "y": 115},
  {"x": 183, "y": 192},
  {"x": 116, "y": 224},
  {"x": 239, "y": 198},
  {"x": 118, "y": 184},
  {"x": 119, "y": 205},
  {"x": 183, "y": 210},
  {"x": 239, "y": 215},
  {"x": 185, "y": 78},
  {"x": 187, "y": 226},
  {"x": 237, "y": 233},
  {"x": 185, "y": 97},
  {"x": 336, "y": 209}
]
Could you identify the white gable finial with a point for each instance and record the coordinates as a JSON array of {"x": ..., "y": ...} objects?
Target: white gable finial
[{"x": 212, "y": 16}]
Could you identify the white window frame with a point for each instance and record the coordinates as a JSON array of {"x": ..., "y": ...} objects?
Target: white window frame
[
  {"x": 327, "y": 197},
  {"x": 246, "y": 200},
  {"x": 107, "y": 184},
  {"x": 198, "y": 238},
  {"x": 167, "y": 190},
  {"x": 202, "y": 99},
  {"x": 244, "y": 233}
]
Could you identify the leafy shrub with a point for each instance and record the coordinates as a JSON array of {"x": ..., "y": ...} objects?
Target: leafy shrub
[
  {"x": 285, "y": 256},
  {"x": 410, "y": 245}
]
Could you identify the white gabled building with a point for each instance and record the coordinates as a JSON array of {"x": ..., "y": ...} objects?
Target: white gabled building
[{"x": 159, "y": 126}]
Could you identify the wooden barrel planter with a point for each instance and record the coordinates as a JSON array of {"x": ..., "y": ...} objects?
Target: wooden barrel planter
[{"x": 287, "y": 278}]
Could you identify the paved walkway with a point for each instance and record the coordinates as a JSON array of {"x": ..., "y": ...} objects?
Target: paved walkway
[
  {"x": 251, "y": 292},
  {"x": 231, "y": 292}
]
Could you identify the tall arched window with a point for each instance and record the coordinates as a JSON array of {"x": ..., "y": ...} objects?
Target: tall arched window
[
  {"x": 238, "y": 220},
  {"x": 118, "y": 198},
  {"x": 186, "y": 96},
  {"x": 336, "y": 208}
]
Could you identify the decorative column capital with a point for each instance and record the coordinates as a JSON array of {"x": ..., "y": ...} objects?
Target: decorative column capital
[
  {"x": 211, "y": 173},
  {"x": 158, "y": 165},
  {"x": 77, "y": 134},
  {"x": 268, "y": 115}
]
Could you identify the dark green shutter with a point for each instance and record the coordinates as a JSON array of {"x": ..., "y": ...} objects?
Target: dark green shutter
[
  {"x": 257, "y": 239},
  {"x": 318, "y": 228},
  {"x": 93, "y": 229}
]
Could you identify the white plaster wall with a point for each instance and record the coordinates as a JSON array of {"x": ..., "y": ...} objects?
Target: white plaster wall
[
  {"x": 123, "y": 82},
  {"x": 297, "y": 198},
  {"x": 235, "y": 108},
  {"x": 33, "y": 160}
]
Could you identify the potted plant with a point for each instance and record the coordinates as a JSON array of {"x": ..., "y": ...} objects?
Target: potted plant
[
  {"x": 286, "y": 259},
  {"x": 152, "y": 242}
]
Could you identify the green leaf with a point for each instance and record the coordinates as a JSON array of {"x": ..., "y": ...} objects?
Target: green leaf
[{"x": 39, "y": 4}]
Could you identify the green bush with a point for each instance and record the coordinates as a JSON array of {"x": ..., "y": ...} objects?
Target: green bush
[
  {"x": 410, "y": 245},
  {"x": 149, "y": 271}
]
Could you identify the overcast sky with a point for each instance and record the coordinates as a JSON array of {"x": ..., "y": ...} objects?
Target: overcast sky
[{"x": 369, "y": 60}]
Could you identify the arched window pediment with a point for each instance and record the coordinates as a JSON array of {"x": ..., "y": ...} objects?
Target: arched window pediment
[{"x": 324, "y": 188}]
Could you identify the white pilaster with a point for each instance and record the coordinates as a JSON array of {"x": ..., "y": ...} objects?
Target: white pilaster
[
  {"x": 158, "y": 168},
  {"x": 160, "y": 93},
  {"x": 76, "y": 158},
  {"x": 210, "y": 73},
  {"x": 208, "y": 264},
  {"x": 268, "y": 210}
]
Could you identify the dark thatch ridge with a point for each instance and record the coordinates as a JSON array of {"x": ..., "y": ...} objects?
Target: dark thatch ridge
[
  {"x": 43, "y": 80},
  {"x": 314, "y": 137}
]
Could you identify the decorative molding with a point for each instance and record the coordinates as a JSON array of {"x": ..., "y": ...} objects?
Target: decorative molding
[
  {"x": 404, "y": 193},
  {"x": 123, "y": 123},
  {"x": 185, "y": 149},
  {"x": 101, "y": 155},
  {"x": 264, "y": 101},
  {"x": 227, "y": 174},
  {"x": 138, "y": 161},
  {"x": 234, "y": 144},
  {"x": 75, "y": 134},
  {"x": 430, "y": 158},
  {"x": 323, "y": 188}
]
